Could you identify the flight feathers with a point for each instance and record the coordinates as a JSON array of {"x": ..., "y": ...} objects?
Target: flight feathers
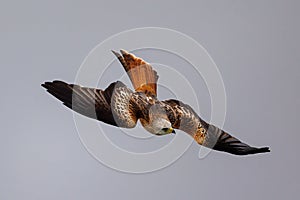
[
  {"x": 91, "y": 102},
  {"x": 230, "y": 144}
]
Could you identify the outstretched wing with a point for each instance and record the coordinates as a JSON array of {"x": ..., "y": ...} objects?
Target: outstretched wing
[
  {"x": 111, "y": 106},
  {"x": 183, "y": 117},
  {"x": 143, "y": 77}
]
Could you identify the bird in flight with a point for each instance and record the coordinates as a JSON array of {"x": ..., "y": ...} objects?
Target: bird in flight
[{"x": 119, "y": 106}]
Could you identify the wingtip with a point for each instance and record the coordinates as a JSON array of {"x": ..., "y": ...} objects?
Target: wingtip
[
  {"x": 264, "y": 149},
  {"x": 46, "y": 85},
  {"x": 253, "y": 150},
  {"x": 50, "y": 84},
  {"x": 232, "y": 145}
]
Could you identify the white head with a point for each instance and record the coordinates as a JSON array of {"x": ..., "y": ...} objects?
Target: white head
[
  {"x": 160, "y": 126},
  {"x": 158, "y": 122}
]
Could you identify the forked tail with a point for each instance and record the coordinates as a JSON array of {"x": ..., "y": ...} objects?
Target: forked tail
[{"x": 143, "y": 77}]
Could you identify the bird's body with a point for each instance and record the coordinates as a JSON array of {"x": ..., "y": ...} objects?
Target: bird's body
[{"x": 118, "y": 105}]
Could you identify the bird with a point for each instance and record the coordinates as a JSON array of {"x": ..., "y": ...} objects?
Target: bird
[{"x": 119, "y": 106}]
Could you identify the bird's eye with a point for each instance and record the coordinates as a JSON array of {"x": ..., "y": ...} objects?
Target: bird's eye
[{"x": 164, "y": 129}]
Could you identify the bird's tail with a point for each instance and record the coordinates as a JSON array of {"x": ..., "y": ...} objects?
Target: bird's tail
[
  {"x": 143, "y": 77},
  {"x": 221, "y": 141}
]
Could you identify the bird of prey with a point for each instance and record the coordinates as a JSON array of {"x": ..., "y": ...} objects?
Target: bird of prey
[{"x": 119, "y": 106}]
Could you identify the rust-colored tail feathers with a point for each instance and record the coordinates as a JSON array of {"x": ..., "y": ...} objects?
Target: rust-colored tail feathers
[{"x": 143, "y": 77}]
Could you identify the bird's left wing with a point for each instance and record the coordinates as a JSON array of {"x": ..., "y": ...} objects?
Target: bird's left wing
[
  {"x": 183, "y": 117},
  {"x": 112, "y": 105}
]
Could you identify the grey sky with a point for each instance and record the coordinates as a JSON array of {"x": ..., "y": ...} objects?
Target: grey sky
[{"x": 255, "y": 44}]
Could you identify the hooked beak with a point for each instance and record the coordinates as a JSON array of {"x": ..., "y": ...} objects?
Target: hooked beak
[
  {"x": 168, "y": 130},
  {"x": 171, "y": 130}
]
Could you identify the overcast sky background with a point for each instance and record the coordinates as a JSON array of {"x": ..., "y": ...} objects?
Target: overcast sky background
[{"x": 255, "y": 44}]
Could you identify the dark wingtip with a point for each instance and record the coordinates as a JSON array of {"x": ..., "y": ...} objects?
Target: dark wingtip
[
  {"x": 46, "y": 84},
  {"x": 252, "y": 150},
  {"x": 263, "y": 150},
  {"x": 232, "y": 145}
]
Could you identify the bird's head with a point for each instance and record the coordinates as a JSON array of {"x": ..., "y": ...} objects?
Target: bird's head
[
  {"x": 158, "y": 122},
  {"x": 162, "y": 127}
]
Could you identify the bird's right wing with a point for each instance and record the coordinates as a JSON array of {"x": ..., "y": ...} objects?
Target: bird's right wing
[
  {"x": 183, "y": 117},
  {"x": 111, "y": 105}
]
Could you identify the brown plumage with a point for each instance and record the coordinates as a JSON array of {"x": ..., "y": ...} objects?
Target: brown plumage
[
  {"x": 117, "y": 105},
  {"x": 141, "y": 74}
]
